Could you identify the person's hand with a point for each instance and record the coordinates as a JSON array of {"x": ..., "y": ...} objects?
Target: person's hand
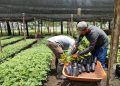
[{"x": 75, "y": 55}]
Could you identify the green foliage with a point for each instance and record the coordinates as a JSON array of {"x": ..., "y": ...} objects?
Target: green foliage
[
  {"x": 118, "y": 56},
  {"x": 84, "y": 44},
  {"x": 28, "y": 68},
  {"x": 11, "y": 40},
  {"x": 4, "y": 37},
  {"x": 14, "y": 48},
  {"x": 65, "y": 58}
]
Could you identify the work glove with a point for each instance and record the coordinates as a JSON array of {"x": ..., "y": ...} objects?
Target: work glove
[{"x": 75, "y": 55}]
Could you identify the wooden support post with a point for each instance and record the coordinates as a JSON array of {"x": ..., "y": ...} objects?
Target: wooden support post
[
  {"x": 41, "y": 26},
  {"x": 26, "y": 23},
  {"x": 35, "y": 26},
  {"x": 114, "y": 42},
  {"x": 94, "y": 23},
  {"x": 53, "y": 28},
  {"x": 8, "y": 28},
  {"x": 21, "y": 28},
  {"x": 78, "y": 11},
  {"x": 67, "y": 27},
  {"x": 1, "y": 29},
  {"x": 56, "y": 28},
  {"x": 61, "y": 27},
  {"x": 101, "y": 24},
  {"x": 0, "y": 45},
  {"x": 0, "y": 38},
  {"x": 5, "y": 27},
  {"x": 38, "y": 26},
  {"x": 109, "y": 25},
  {"x": 23, "y": 14},
  {"x": 12, "y": 27},
  {"x": 18, "y": 28},
  {"x": 69, "y": 30},
  {"x": 72, "y": 31},
  {"x": 0, "y": 41},
  {"x": 47, "y": 26}
]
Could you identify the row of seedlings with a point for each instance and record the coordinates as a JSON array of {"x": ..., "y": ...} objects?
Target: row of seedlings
[
  {"x": 28, "y": 68},
  {"x": 11, "y": 50}
]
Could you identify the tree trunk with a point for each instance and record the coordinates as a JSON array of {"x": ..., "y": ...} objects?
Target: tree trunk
[
  {"x": 101, "y": 24},
  {"x": 61, "y": 27},
  {"x": 109, "y": 25},
  {"x": 67, "y": 27},
  {"x": 8, "y": 28},
  {"x": 0, "y": 46},
  {"x": 38, "y": 26},
  {"x": 27, "y": 28},
  {"x": 1, "y": 29},
  {"x": 56, "y": 28},
  {"x": 35, "y": 26},
  {"x": 71, "y": 24},
  {"x": 41, "y": 26},
  {"x": 114, "y": 42},
  {"x": 0, "y": 39},
  {"x": 23, "y": 14},
  {"x": 69, "y": 30},
  {"x": 5, "y": 28},
  {"x": 18, "y": 28},
  {"x": 53, "y": 28},
  {"x": 21, "y": 28},
  {"x": 94, "y": 23},
  {"x": 12, "y": 28}
]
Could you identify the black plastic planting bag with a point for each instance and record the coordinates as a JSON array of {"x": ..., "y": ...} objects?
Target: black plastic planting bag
[{"x": 117, "y": 71}]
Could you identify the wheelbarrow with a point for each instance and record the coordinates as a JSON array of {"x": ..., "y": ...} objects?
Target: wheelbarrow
[{"x": 94, "y": 77}]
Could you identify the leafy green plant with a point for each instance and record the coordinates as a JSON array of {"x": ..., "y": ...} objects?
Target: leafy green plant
[
  {"x": 14, "y": 48},
  {"x": 11, "y": 40},
  {"x": 5, "y": 37},
  {"x": 28, "y": 68}
]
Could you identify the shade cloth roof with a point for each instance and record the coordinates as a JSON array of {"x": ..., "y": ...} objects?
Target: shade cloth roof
[{"x": 56, "y": 9}]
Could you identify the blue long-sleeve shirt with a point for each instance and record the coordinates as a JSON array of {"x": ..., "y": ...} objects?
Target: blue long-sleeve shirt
[{"x": 97, "y": 38}]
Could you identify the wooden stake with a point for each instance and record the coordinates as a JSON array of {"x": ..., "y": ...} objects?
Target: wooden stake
[
  {"x": 114, "y": 42},
  {"x": 1, "y": 29},
  {"x": 41, "y": 26},
  {"x": 0, "y": 45},
  {"x": 23, "y": 14},
  {"x": 35, "y": 27},
  {"x": 18, "y": 28},
  {"x": 72, "y": 25},
  {"x": 79, "y": 11},
  {"x": 53, "y": 28}
]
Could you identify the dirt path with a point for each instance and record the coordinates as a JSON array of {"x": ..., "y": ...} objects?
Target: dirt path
[{"x": 52, "y": 81}]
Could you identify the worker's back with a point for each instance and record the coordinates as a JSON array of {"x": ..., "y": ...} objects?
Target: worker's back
[
  {"x": 99, "y": 34},
  {"x": 64, "y": 41}
]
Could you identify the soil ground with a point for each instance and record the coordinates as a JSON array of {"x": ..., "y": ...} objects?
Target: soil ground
[{"x": 52, "y": 81}]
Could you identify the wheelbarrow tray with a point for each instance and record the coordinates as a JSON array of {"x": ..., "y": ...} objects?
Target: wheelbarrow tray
[{"x": 97, "y": 75}]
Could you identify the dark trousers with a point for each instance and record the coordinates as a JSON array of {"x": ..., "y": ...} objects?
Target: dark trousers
[{"x": 57, "y": 50}]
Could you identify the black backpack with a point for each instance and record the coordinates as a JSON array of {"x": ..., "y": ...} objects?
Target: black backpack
[{"x": 117, "y": 71}]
